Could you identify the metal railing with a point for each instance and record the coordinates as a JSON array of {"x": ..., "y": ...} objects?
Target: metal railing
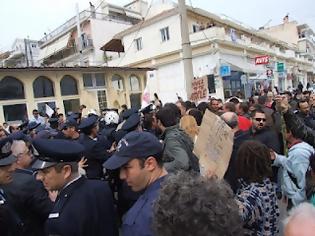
[{"x": 84, "y": 15}]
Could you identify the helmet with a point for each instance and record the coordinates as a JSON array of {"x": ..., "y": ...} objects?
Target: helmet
[{"x": 111, "y": 117}]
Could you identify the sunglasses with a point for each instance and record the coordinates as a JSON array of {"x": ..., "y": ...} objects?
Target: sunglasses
[{"x": 260, "y": 119}]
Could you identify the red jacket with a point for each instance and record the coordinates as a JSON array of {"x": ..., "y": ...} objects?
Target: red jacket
[{"x": 244, "y": 124}]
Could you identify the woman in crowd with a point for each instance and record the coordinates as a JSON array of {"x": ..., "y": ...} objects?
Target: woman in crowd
[{"x": 256, "y": 196}]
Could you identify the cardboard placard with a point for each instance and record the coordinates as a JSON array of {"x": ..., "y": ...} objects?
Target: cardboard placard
[
  {"x": 200, "y": 91},
  {"x": 214, "y": 145}
]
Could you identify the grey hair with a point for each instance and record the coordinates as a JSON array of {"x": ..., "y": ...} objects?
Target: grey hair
[
  {"x": 230, "y": 121},
  {"x": 191, "y": 205},
  {"x": 305, "y": 210}
]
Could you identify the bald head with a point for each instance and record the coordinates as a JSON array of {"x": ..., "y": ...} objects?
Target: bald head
[
  {"x": 230, "y": 119},
  {"x": 301, "y": 221}
]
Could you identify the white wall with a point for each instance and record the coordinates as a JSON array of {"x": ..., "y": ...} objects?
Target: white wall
[
  {"x": 151, "y": 42},
  {"x": 101, "y": 33}
]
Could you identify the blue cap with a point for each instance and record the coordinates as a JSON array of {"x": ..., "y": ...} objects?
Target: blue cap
[
  {"x": 7, "y": 159},
  {"x": 88, "y": 122},
  {"x": 69, "y": 123},
  {"x": 131, "y": 123},
  {"x": 134, "y": 145},
  {"x": 126, "y": 114},
  {"x": 54, "y": 151},
  {"x": 32, "y": 125}
]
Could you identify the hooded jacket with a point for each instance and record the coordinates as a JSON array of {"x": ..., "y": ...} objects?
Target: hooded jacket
[
  {"x": 294, "y": 168},
  {"x": 177, "y": 149}
]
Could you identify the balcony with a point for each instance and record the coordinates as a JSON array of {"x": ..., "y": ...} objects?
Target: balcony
[
  {"x": 68, "y": 52},
  {"x": 70, "y": 24}
]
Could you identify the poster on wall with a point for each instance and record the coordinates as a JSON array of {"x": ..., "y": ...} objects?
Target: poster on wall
[
  {"x": 200, "y": 90},
  {"x": 214, "y": 145}
]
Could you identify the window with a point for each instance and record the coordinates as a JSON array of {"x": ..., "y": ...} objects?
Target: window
[
  {"x": 16, "y": 112},
  {"x": 135, "y": 100},
  {"x": 102, "y": 99},
  {"x": 165, "y": 34},
  {"x": 11, "y": 88},
  {"x": 68, "y": 86},
  {"x": 117, "y": 82},
  {"x": 87, "y": 80},
  {"x": 134, "y": 83},
  {"x": 33, "y": 45},
  {"x": 211, "y": 84},
  {"x": 138, "y": 44},
  {"x": 94, "y": 80},
  {"x": 43, "y": 87},
  {"x": 72, "y": 105}
]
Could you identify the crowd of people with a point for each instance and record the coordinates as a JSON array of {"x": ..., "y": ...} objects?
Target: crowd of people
[{"x": 135, "y": 172}]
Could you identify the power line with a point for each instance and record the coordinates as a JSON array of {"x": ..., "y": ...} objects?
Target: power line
[{"x": 136, "y": 35}]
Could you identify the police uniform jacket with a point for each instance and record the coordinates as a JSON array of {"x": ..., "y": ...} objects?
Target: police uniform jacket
[
  {"x": 95, "y": 153},
  {"x": 138, "y": 219},
  {"x": 30, "y": 200},
  {"x": 10, "y": 223},
  {"x": 83, "y": 208}
]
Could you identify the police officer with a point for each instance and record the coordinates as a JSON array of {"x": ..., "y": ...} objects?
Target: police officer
[
  {"x": 96, "y": 147},
  {"x": 82, "y": 207},
  {"x": 10, "y": 222},
  {"x": 26, "y": 195},
  {"x": 139, "y": 157}
]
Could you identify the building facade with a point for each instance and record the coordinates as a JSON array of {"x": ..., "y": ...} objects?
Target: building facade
[
  {"x": 25, "y": 89},
  {"x": 217, "y": 44},
  {"x": 64, "y": 47},
  {"x": 24, "y": 53}
]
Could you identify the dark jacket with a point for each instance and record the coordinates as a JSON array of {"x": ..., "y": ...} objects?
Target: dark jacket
[
  {"x": 83, "y": 208},
  {"x": 307, "y": 119},
  {"x": 95, "y": 153},
  {"x": 177, "y": 149},
  {"x": 230, "y": 174},
  {"x": 301, "y": 130},
  {"x": 268, "y": 137},
  {"x": 30, "y": 200},
  {"x": 10, "y": 223}
]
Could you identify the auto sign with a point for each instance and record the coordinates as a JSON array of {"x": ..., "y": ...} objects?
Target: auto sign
[{"x": 262, "y": 60}]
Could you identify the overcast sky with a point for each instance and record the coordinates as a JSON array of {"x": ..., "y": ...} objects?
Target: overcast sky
[{"x": 22, "y": 18}]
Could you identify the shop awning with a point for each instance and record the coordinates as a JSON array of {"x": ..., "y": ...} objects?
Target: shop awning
[
  {"x": 55, "y": 47},
  {"x": 241, "y": 65},
  {"x": 113, "y": 45}
]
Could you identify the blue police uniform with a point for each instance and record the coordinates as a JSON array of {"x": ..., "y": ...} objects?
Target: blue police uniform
[
  {"x": 138, "y": 219},
  {"x": 83, "y": 207},
  {"x": 10, "y": 222},
  {"x": 95, "y": 150}
]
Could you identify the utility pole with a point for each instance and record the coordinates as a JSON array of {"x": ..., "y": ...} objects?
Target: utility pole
[
  {"x": 79, "y": 33},
  {"x": 186, "y": 47},
  {"x": 26, "y": 53}
]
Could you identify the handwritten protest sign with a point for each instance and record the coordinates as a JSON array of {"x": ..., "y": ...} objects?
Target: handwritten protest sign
[
  {"x": 200, "y": 90},
  {"x": 214, "y": 145}
]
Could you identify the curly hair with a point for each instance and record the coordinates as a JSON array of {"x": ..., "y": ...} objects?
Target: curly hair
[
  {"x": 192, "y": 205},
  {"x": 253, "y": 163}
]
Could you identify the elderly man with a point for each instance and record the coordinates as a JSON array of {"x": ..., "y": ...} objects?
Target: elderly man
[
  {"x": 83, "y": 206},
  {"x": 139, "y": 158}
]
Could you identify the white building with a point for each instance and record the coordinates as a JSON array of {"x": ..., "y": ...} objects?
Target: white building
[
  {"x": 24, "y": 53},
  {"x": 62, "y": 46},
  {"x": 216, "y": 43}
]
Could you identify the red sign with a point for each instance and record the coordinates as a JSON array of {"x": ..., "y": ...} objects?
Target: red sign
[{"x": 262, "y": 60}]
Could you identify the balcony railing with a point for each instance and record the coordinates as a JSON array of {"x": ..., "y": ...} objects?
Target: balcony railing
[
  {"x": 68, "y": 52},
  {"x": 84, "y": 15}
]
